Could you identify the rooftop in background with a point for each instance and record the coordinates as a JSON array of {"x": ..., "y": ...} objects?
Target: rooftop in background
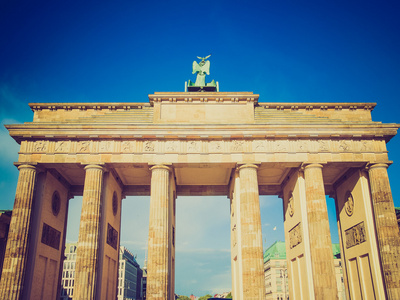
[
  {"x": 278, "y": 251},
  {"x": 5, "y": 216}
]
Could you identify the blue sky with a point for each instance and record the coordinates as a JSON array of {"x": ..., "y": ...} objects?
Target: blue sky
[{"x": 286, "y": 51}]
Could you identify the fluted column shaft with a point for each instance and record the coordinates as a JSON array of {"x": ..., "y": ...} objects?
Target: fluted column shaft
[
  {"x": 14, "y": 267},
  {"x": 89, "y": 233},
  {"x": 157, "y": 268},
  {"x": 320, "y": 237},
  {"x": 386, "y": 228},
  {"x": 251, "y": 237}
]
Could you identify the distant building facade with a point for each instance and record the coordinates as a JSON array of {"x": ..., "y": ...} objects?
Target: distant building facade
[
  {"x": 5, "y": 218},
  {"x": 144, "y": 279},
  {"x": 68, "y": 274},
  {"x": 129, "y": 275},
  {"x": 276, "y": 273}
]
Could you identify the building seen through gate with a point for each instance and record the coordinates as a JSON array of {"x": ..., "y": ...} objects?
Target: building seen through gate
[
  {"x": 130, "y": 284},
  {"x": 204, "y": 143},
  {"x": 276, "y": 272}
]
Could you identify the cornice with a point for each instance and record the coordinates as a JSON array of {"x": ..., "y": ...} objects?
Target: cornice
[
  {"x": 203, "y": 97},
  {"x": 86, "y": 106},
  {"x": 30, "y": 131},
  {"x": 318, "y": 105},
  {"x": 200, "y": 97}
]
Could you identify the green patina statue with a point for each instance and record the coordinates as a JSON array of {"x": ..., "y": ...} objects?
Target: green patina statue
[{"x": 202, "y": 69}]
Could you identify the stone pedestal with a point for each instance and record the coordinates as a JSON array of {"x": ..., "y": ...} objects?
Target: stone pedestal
[
  {"x": 386, "y": 228},
  {"x": 251, "y": 237},
  {"x": 320, "y": 237},
  {"x": 88, "y": 241},
  {"x": 158, "y": 284},
  {"x": 14, "y": 268}
]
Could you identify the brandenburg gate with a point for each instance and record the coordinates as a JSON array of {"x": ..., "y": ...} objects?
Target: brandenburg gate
[{"x": 204, "y": 143}]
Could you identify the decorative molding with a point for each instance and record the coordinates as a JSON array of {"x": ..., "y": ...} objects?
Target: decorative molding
[
  {"x": 349, "y": 204},
  {"x": 184, "y": 146},
  {"x": 355, "y": 235},
  {"x": 51, "y": 236},
  {"x": 115, "y": 203},
  {"x": 112, "y": 236},
  {"x": 295, "y": 236},
  {"x": 291, "y": 205},
  {"x": 56, "y": 203},
  {"x": 242, "y": 97},
  {"x": 320, "y": 106},
  {"x": 78, "y": 106}
]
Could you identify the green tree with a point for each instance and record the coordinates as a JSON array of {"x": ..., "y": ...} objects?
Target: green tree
[
  {"x": 205, "y": 297},
  {"x": 183, "y": 298},
  {"x": 229, "y": 295}
]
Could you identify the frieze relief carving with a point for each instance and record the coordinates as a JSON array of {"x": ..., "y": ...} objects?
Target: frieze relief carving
[
  {"x": 201, "y": 146},
  {"x": 126, "y": 146},
  {"x": 345, "y": 146},
  {"x": 40, "y": 146},
  {"x": 83, "y": 146},
  {"x": 323, "y": 145},
  {"x": 215, "y": 146},
  {"x": 259, "y": 146},
  {"x": 194, "y": 146},
  {"x": 355, "y": 235},
  {"x": 238, "y": 145},
  {"x": 62, "y": 146},
  {"x": 148, "y": 146},
  {"x": 106, "y": 146},
  {"x": 172, "y": 146},
  {"x": 281, "y": 146},
  {"x": 295, "y": 236}
]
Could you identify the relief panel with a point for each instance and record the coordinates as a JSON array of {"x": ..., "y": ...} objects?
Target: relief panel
[
  {"x": 355, "y": 235},
  {"x": 205, "y": 146},
  {"x": 295, "y": 236}
]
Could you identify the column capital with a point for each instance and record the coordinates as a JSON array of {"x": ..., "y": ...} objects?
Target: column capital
[
  {"x": 247, "y": 165},
  {"x": 160, "y": 166},
  {"x": 27, "y": 166},
  {"x": 306, "y": 165},
  {"x": 371, "y": 166},
  {"x": 99, "y": 166}
]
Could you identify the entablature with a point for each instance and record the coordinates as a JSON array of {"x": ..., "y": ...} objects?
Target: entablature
[
  {"x": 196, "y": 179},
  {"x": 33, "y": 131}
]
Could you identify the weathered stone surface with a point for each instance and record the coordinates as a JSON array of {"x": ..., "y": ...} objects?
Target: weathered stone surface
[
  {"x": 386, "y": 228},
  {"x": 88, "y": 241},
  {"x": 14, "y": 267},
  {"x": 320, "y": 236},
  {"x": 202, "y": 137},
  {"x": 158, "y": 285},
  {"x": 251, "y": 236}
]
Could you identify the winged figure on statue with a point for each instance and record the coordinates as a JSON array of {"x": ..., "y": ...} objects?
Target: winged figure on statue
[{"x": 201, "y": 69}]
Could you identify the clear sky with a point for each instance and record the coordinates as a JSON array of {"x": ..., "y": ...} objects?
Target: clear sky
[{"x": 286, "y": 51}]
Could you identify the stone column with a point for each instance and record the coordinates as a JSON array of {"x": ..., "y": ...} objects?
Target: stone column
[
  {"x": 89, "y": 233},
  {"x": 251, "y": 236},
  {"x": 12, "y": 278},
  {"x": 320, "y": 237},
  {"x": 386, "y": 228},
  {"x": 157, "y": 267}
]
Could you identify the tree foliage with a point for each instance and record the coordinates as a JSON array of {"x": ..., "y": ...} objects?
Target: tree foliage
[
  {"x": 183, "y": 298},
  {"x": 205, "y": 297},
  {"x": 229, "y": 295}
]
